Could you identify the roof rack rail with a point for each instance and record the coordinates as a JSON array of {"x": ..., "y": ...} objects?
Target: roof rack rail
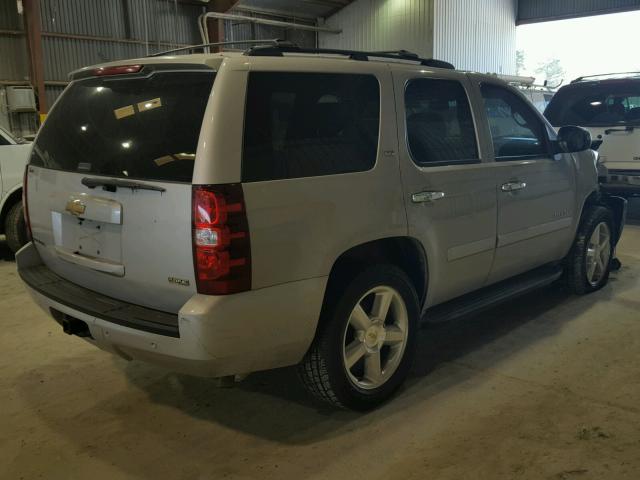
[
  {"x": 273, "y": 41},
  {"x": 579, "y": 79},
  {"x": 280, "y": 48}
]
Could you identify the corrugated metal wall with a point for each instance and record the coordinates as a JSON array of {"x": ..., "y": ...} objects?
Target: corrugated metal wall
[
  {"x": 117, "y": 29},
  {"x": 77, "y": 33},
  {"x": 14, "y": 64},
  {"x": 530, "y": 11},
  {"x": 383, "y": 25},
  {"x": 472, "y": 34},
  {"x": 235, "y": 31},
  {"x": 477, "y": 35}
]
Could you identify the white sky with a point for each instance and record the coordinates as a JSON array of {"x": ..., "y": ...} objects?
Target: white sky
[{"x": 584, "y": 46}]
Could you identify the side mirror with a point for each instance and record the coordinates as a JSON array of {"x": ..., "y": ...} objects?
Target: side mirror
[{"x": 573, "y": 139}]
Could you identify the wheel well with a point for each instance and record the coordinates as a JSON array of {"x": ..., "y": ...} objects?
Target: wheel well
[
  {"x": 12, "y": 199},
  {"x": 404, "y": 252}
]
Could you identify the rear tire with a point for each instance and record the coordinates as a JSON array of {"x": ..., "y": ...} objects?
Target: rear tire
[
  {"x": 15, "y": 228},
  {"x": 589, "y": 262},
  {"x": 365, "y": 342}
]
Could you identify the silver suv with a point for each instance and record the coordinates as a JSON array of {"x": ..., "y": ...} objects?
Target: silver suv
[{"x": 220, "y": 214}]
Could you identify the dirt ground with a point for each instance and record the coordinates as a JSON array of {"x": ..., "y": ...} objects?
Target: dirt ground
[{"x": 544, "y": 387}]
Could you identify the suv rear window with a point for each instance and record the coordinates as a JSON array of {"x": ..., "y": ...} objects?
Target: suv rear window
[
  {"x": 596, "y": 104},
  {"x": 135, "y": 127},
  {"x": 309, "y": 124}
]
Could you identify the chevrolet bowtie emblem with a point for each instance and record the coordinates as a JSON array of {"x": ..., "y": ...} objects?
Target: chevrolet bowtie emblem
[{"x": 75, "y": 207}]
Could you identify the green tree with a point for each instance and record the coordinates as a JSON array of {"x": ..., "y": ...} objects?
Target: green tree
[
  {"x": 552, "y": 71},
  {"x": 520, "y": 62}
]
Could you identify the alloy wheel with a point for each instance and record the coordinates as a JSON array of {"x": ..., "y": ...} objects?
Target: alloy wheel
[
  {"x": 598, "y": 253},
  {"x": 375, "y": 337}
]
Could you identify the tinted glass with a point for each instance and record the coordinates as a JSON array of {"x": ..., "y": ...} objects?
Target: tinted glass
[
  {"x": 309, "y": 124},
  {"x": 4, "y": 141},
  {"x": 515, "y": 128},
  {"x": 145, "y": 128},
  {"x": 596, "y": 104},
  {"x": 439, "y": 122}
]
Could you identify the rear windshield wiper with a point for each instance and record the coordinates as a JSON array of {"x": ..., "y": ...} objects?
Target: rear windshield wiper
[{"x": 112, "y": 184}]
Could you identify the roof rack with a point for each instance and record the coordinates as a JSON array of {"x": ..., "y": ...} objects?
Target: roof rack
[
  {"x": 273, "y": 42},
  {"x": 580, "y": 79},
  {"x": 280, "y": 48}
]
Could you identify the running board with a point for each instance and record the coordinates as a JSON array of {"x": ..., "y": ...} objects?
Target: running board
[{"x": 492, "y": 295}]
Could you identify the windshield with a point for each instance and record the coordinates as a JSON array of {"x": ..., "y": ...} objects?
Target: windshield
[
  {"x": 596, "y": 104},
  {"x": 135, "y": 127}
]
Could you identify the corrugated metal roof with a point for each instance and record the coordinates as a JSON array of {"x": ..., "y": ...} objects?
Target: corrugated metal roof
[
  {"x": 530, "y": 11},
  {"x": 296, "y": 8}
]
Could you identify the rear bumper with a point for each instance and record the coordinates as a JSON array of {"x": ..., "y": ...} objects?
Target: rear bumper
[
  {"x": 620, "y": 182},
  {"x": 211, "y": 336}
]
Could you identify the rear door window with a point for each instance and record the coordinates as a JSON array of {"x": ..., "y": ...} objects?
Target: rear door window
[
  {"x": 596, "y": 104},
  {"x": 309, "y": 124},
  {"x": 440, "y": 127},
  {"x": 141, "y": 127}
]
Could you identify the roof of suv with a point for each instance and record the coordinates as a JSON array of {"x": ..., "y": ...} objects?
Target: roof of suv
[
  {"x": 608, "y": 77},
  {"x": 275, "y": 50}
]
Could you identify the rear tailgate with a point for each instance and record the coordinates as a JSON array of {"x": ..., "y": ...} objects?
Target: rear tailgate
[
  {"x": 109, "y": 184},
  {"x": 610, "y": 110},
  {"x": 620, "y": 149}
]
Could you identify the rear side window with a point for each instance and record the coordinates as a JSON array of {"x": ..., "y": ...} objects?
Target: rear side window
[
  {"x": 309, "y": 124},
  {"x": 439, "y": 123},
  {"x": 596, "y": 104},
  {"x": 136, "y": 127},
  {"x": 516, "y": 130}
]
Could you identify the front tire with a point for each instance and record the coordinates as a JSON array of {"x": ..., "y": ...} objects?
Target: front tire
[
  {"x": 589, "y": 262},
  {"x": 365, "y": 342},
  {"x": 15, "y": 228}
]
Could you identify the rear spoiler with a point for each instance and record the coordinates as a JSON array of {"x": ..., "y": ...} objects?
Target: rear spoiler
[{"x": 134, "y": 69}]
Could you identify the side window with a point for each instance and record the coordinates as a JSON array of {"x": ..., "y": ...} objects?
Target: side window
[
  {"x": 309, "y": 124},
  {"x": 516, "y": 130},
  {"x": 4, "y": 141},
  {"x": 439, "y": 123}
]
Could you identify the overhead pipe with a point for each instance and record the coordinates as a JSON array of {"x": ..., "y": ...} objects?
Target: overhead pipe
[{"x": 202, "y": 19}]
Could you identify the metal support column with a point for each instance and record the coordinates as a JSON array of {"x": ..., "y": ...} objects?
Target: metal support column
[{"x": 34, "y": 44}]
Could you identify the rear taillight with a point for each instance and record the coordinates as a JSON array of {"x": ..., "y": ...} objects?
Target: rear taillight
[
  {"x": 25, "y": 206},
  {"x": 221, "y": 249}
]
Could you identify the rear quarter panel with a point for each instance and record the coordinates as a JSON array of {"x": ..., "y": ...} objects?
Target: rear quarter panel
[{"x": 300, "y": 226}]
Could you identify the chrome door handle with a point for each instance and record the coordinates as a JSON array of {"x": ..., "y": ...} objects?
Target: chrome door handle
[
  {"x": 513, "y": 186},
  {"x": 426, "y": 197}
]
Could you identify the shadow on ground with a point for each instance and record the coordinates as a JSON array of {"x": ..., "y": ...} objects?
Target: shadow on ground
[
  {"x": 248, "y": 407},
  {"x": 6, "y": 255}
]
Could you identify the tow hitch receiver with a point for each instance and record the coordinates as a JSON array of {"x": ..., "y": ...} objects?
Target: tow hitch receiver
[{"x": 71, "y": 325}]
